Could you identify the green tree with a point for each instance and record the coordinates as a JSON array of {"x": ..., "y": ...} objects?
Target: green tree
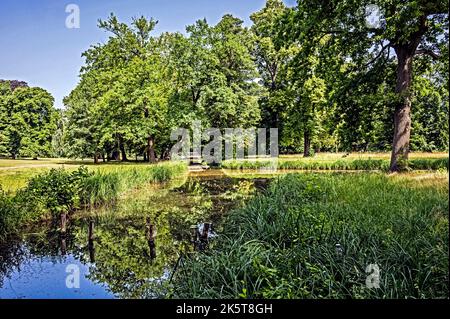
[
  {"x": 123, "y": 92},
  {"x": 408, "y": 29},
  {"x": 28, "y": 121},
  {"x": 272, "y": 63}
]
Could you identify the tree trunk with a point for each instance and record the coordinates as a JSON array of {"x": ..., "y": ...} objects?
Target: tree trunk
[
  {"x": 115, "y": 155},
  {"x": 306, "y": 144},
  {"x": 123, "y": 152},
  {"x": 402, "y": 115},
  {"x": 150, "y": 149},
  {"x": 96, "y": 158}
]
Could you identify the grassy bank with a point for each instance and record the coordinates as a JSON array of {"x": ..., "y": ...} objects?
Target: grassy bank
[
  {"x": 314, "y": 235},
  {"x": 336, "y": 164},
  {"x": 106, "y": 184},
  {"x": 58, "y": 191},
  {"x": 15, "y": 174}
]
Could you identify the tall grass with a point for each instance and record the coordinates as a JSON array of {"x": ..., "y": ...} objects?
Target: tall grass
[
  {"x": 339, "y": 164},
  {"x": 313, "y": 236},
  {"x": 106, "y": 185}
]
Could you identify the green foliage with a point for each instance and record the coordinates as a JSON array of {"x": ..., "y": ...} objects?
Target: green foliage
[
  {"x": 312, "y": 236},
  {"x": 136, "y": 88},
  {"x": 27, "y": 121},
  {"x": 58, "y": 190},
  {"x": 7, "y": 213},
  {"x": 358, "y": 62},
  {"x": 319, "y": 72}
]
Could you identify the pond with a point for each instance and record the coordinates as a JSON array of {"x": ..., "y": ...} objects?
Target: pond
[{"x": 120, "y": 261}]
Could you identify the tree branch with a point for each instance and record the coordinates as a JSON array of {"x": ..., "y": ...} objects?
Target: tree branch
[
  {"x": 429, "y": 52},
  {"x": 383, "y": 48}
]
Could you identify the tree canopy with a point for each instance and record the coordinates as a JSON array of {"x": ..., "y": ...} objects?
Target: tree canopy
[{"x": 27, "y": 120}]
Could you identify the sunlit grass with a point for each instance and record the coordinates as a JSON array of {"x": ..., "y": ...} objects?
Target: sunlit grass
[
  {"x": 337, "y": 164},
  {"x": 14, "y": 174},
  {"x": 361, "y": 155}
]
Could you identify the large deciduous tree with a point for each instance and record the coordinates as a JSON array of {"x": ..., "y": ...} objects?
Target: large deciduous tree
[
  {"x": 27, "y": 120},
  {"x": 365, "y": 32}
]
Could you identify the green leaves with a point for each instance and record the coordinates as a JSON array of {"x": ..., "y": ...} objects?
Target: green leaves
[
  {"x": 58, "y": 190},
  {"x": 27, "y": 121}
]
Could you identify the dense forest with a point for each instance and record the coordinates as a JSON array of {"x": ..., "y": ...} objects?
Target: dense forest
[{"x": 320, "y": 72}]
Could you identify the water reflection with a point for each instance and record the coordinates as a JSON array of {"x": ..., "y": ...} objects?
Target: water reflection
[{"x": 125, "y": 251}]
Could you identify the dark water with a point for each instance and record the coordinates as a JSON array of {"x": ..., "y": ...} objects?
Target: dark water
[{"x": 120, "y": 262}]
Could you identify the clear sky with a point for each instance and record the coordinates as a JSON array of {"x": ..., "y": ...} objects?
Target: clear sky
[{"x": 36, "y": 47}]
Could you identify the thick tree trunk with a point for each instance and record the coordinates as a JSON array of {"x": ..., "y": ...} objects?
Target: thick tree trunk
[
  {"x": 402, "y": 115},
  {"x": 150, "y": 149},
  {"x": 306, "y": 144},
  {"x": 115, "y": 155},
  {"x": 96, "y": 158},
  {"x": 123, "y": 152}
]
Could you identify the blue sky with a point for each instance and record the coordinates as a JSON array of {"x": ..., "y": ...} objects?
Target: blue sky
[{"x": 36, "y": 47}]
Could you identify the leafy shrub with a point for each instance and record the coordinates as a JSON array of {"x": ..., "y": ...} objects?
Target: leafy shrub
[
  {"x": 7, "y": 218},
  {"x": 58, "y": 190}
]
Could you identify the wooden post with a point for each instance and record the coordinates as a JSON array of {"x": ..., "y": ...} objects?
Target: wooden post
[
  {"x": 91, "y": 238},
  {"x": 63, "y": 223},
  {"x": 91, "y": 232},
  {"x": 204, "y": 236},
  {"x": 152, "y": 246},
  {"x": 194, "y": 235},
  {"x": 151, "y": 234},
  {"x": 91, "y": 248},
  {"x": 151, "y": 230},
  {"x": 205, "y": 233},
  {"x": 63, "y": 245}
]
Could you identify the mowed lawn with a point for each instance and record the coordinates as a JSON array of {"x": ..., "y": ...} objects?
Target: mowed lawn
[{"x": 14, "y": 174}]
